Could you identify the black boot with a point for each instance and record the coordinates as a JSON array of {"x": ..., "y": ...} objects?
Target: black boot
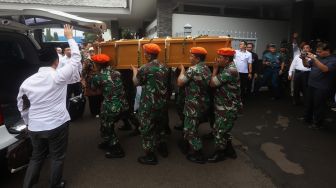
[
  {"x": 115, "y": 151},
  {"x": 230, "y": 151},
  {"x": 163, "y": 149},
  {"x": 126, "y": 127},
  {"x": 104, "y": 145},
  {"x": 184, "y": 146},
  {"x": 148, "y": 159},
  {"x": 218, "y": 155},
  {"x": 196, "y": 157}
]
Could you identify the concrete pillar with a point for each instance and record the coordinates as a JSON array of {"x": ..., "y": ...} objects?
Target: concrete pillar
[
  {"x": 115, "y": 31},
  {"x": 302, "y": 19},
  {"x": 164, "y": 15}
]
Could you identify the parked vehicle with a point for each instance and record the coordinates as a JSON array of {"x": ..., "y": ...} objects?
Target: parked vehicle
[{"x": 19, "y": 60}]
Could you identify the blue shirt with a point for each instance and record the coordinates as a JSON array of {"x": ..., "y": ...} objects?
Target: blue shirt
[
  {"x": 319, "y": 79},
  {"x": 273, "y": 58}
]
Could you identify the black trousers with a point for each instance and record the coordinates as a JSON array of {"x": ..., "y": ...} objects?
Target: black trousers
[
  {"x": 316, "y": 105},
  {"x": 95, "y": 104},
  {"x": 53, "y": 142},
  {"x": 244, "y": 86},
  {"x": 74, "y": 89},
  {"x": 300, "y": 85}
]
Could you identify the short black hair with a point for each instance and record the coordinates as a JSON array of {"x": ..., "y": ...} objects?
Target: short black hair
[
  {"x": 245, "y": 43},
  {"x": 153, "y": 56},
  {"x": 47, "y": 55},
  {"x": 250, "y": 43},
  {"x": 200, "y": 56},
  {"x": 325, "y": 46}
]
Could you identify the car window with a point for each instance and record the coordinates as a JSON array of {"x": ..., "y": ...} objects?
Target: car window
[{"x": 10, "y": 51}]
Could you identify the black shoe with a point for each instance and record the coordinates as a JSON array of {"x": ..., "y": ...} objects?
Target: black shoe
[
  {"x": 61, "y": 185},
  {"x": 126, "y": 127},
  {"x": 163, "y": 149},
  {"x": 219, "y": 155},
  {"x": 115, "y": 151},
  {"x": 230, "y": 151},
  {"x": 135, "y": 132},
  {"x": 178, "y": 127},
  {"x": 208, "y": 136},
  {"x": 103, "y": 145},
  {"x": 148, "y": 159},
  {"x": 184, "y": 146},
  {"x": 196, "y": 157}
]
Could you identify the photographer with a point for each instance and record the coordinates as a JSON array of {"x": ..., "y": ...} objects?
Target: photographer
[
  {"x": 319, "y": 83},
  {"x": 301, "y": 74}
]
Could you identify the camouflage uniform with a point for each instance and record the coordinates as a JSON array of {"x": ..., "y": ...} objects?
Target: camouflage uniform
[
  {"x": 197, "y": 101},
  {"x": 153, "y": 77},
  {"x": 227, "y": 103},
  {"x": 114, "y": 103}
]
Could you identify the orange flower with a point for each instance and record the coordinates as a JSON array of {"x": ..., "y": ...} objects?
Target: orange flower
[
  {"x": 226, "y": 52},
  {"x": 152, "y": 48},
  {"x": 100, "y": 58},
  {"x": 198, "y": 50}
]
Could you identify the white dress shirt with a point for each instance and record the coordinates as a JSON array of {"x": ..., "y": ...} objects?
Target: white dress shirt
[
  {"x": 242, "y": 59},
  {"x": 297, "y": 64},
  {"x": 46, "y": 90}
]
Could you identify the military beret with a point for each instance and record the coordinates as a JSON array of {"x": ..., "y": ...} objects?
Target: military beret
[
  {"x": 152, "y": 48},
  {"x": 100, "y": 58},
  {"x": 226, "y": 52},
  {"x": 198, "y": 50}
]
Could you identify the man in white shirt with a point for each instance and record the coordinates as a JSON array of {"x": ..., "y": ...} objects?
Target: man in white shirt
[
  {"x": 243, "y": 61},
  {"x": 46, "y": 115},
  {"x": 59, "y": 52},
  {"x": 74, "y": 89},
  {"x": 301, "y": 74}
]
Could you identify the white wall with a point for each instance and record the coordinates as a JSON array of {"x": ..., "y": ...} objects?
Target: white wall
[
  {"x": 266, "y": 30},
  {"x": 152, "y": 26}
]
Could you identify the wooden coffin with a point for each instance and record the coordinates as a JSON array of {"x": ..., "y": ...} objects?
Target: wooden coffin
[{"x": 174, "y": 51}]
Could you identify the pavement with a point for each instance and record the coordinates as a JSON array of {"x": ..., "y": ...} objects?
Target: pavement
[{"x": 275, "y": 149}]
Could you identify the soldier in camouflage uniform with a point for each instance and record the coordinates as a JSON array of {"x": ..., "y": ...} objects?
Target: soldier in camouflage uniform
[
  {"x": 227, "y": 103},
  {"x": 114, "y": 105},
  {"x": 153, "y": 77},
  {"x": 196, "y": 81}
]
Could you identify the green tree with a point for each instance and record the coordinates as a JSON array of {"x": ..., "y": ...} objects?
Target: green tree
[
  {"x": 48, "y": 36},
  {"x": 89, "y": 37},
  {"x": 55, "y": 36}
]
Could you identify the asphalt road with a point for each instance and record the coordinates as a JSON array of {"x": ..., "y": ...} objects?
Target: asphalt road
[{"x": 275, "y": 149}]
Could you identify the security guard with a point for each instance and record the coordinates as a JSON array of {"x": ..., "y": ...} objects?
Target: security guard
[
  {"x": 196, "y": 81},
  {"x": 114, "y": 107},
  {"x": 153, "y": 77},
  {"x": 227, "y": 103}
]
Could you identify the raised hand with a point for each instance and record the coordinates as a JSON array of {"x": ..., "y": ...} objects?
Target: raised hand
[{"x": 68, "y": 31}]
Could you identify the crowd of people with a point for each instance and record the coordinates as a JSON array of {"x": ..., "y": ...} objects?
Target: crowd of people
[{"x": 213, "y": 94}]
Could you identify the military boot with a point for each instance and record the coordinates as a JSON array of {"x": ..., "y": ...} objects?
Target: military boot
[
  {"x": 163, "y": 149},
  {"x": 230, "y": 151},
  {"x": 196, "y": 157},
  {"x": 148, "y": 159},
  {"x": 115, "y": 151},
  {"x": 218, "y": 155},
  {"x": 104, "y": 145},
  {"x": 183, "y": 146},
  {"x": 126, "y": 127}
]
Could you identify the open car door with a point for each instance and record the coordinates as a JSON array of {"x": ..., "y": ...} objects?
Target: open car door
[{"x": 39, "y": 18}]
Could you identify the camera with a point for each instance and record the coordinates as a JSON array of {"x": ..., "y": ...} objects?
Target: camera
[{"x": 304, "y": 54}]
